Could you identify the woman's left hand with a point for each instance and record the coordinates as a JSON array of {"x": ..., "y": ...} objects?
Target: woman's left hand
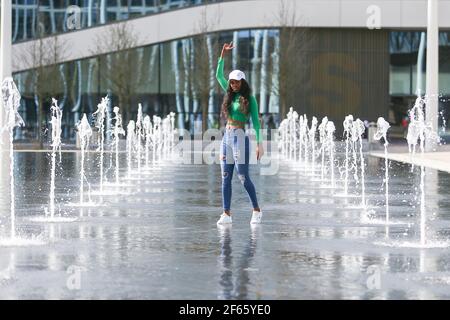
[{"x": 259, "y": 151}]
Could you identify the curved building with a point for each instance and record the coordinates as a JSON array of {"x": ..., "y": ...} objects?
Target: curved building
[{"x": 322, "y": 57}]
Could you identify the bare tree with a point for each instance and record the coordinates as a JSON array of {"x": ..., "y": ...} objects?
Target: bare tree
[
  {"x": 293, "y": 42},
  {"x": 205, "y": 56},
  {"x": 43, "y": 57},
  {"x": 119, "y": 69}
]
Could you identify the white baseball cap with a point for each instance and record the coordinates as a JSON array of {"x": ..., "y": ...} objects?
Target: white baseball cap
[{"x": 236, "y": 75}]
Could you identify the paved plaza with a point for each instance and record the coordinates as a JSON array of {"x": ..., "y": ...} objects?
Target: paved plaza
[{"x": 155, "y": 236}]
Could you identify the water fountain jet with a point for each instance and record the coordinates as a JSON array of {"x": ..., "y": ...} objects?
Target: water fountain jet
[{"x": 84, "y": 132}]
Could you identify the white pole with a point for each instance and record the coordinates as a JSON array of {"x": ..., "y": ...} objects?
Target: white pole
[
  {"x": 421, "y": 53},
  {"x": 264, "y": 65},
  {"x": 5, "y": 71},
  {"x": 5, "y": 52},
  {"x": 432, "y": 77}
]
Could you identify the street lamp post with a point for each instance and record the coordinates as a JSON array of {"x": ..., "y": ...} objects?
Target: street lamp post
[{"x": 432, "y": 76}]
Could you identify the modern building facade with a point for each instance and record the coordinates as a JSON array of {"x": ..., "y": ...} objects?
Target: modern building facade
[{"x": 323, "y": 58}]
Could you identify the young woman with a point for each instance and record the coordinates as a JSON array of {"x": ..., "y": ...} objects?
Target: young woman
[{"x": 238, "y": 105}]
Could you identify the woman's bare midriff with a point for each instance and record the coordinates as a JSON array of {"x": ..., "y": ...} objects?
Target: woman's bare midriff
[
  {"x": 235, "y": 124},
  {"x": 234, "y": 127}
]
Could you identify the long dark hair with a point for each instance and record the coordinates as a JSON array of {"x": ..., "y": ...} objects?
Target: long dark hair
[{"x": 244, "y": 100}]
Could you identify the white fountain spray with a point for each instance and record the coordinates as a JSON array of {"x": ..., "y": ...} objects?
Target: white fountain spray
[
  {"x": 300, "y": 138},
  {"x": 148, "y": 135},
  {"x": 118, "y": 130},
  {"x": 154, "y": 139},
  {"x": 172, "y": 131},
  {"x": 100, "y": 116},
  {"x": 354, "y": 145},
  {"x": 417, "y": 131},
  {"x": 283, "y": 137},
  {"x": 165, "y": 136},
  {"x": 290, "y": 135},
  {"x": 294, "y": 134},
  {"x": 312, "y": 139},
  {"x": 11, "y": 103},
  {"x": 131, "y": 138},
  {"x": 382, "y": 128},
  {"x": 323, "y": 144},
  {"x": 348, "y": 124},
  {"x": 157, "y": 138},
  {"x": 359, "y": 131},
  {"x": 139, "y": 133},
  {"x": 84, "y": 134},
  {"x": 330, "y": 137},
  {"x": 56, "y": 147},
  {"x": 305, "y": 140},
  {"x": 415, "y": 127},
  {"x": 444, "y": 122}
]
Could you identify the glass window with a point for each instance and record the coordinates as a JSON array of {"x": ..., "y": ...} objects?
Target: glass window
[
  {"x": 444, "y": 63},
  {"x": 139, "y": 7},
  {"x": 116, "y": 10}
]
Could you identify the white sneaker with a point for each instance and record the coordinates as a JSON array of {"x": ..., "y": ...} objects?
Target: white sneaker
[
  {"x": 256, "y": 217},
  {"x": 224, "y": 219}
]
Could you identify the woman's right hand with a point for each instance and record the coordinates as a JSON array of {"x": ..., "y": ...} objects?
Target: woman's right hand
[{"x": 227, "y": 47}]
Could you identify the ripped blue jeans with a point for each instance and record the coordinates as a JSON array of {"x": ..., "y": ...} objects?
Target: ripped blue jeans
[{"x": 235, "y": 153}]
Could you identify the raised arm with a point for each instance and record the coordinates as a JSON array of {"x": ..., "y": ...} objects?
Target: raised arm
[{"x": 219, "y": 73}]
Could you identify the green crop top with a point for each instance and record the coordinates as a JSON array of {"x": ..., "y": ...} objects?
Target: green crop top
[{"x": 235, "y": 113}]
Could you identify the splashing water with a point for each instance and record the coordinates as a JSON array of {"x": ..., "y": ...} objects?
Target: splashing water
[
  {"x": 294, "y": 120},
  {"x": 348, "y": 124},
  {"x": 415, "y": 128},
  {"x": 56, "y": 147},
  {"x": 416, "y": 134},
  {"x": 139, "y": 134},
  {"x": 304, "y": 130},
  {"x": 330, "y": 142},
  {"x": 84, "y": 134},
  {"x": 100, "y": 116},
  {"x": 290, "y": 135},
  {"x": 11, "y": 102},
  {"x": 166, "y": 136},
  {"x": 360, "y": 128},
  {"x": 300, "y": 138},
  {"x": 131, "y": 138},
  {"x": 444, "y": 122},
  {"x": 148, "y": 135},
  {"x": 156, "y": 138},
  {"x": 354, "y": 131},
  {"x": 323, "y": 145},
  {"x": 354, "y": 144},
  {"x": 118, "y": 130},
  {"x": 382, "y": 128},
  {"x": 418, "y": 129},
  {"x": 284, "y": 125},
  {"x": 312, "y": 139},
  {"x": 173, "y": 131}
]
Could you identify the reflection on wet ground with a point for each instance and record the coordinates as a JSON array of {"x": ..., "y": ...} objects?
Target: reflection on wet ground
[{"x": 157, "y": 238}]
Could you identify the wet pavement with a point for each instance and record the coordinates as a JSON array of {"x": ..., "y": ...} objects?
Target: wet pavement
[{"x": 157, "y": 237}]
